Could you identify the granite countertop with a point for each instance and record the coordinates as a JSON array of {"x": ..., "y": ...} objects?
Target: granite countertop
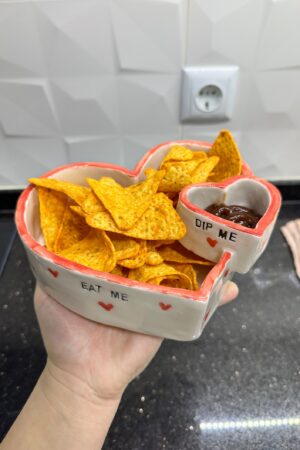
[{"x": 244, "y": 367}]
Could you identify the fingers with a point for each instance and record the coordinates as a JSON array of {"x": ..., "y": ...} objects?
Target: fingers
[{"x": 229, "y": 292}]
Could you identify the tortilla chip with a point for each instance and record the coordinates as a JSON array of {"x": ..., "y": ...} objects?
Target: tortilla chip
[
  {"x": 156, "y": 280},
  {"x": 175, "y": 200},
  {"x": 178, "y": 153},
  {"x": 95, "y": 251},
  {"x": 121, "y": 271},
  {"x": 150, "y": 172},
  {"x": 202, "y": 172},
  {"x": 153, "y": 245},
  {"x": 185, "y": 166},
  {"x": 160, "y": 221},
  {"x": 147, "y": 273},
  {"x": 138, "y": 260},
  {"x": 178, "y": 175},
  {"x": 177, "y": 253},
  {"x": 78, "y": 210},
  {"x": 171, "y": 195},
  {"x": 172, "y": 282},
  {"x": 125, "y": 247},
  {"x": 199, "y": 155},
  {"x": 176, "y": 178},
  {"x": 230, "y": 163},
  {"x": 163, "y": 242},
  {"x": 153, "y": 259},
  {"x": 168, "y": 281},
  {"x": 92, "y": 204},
  {"x": 189, "y": 271},
  {"x": 126, "y": 205},
  {"x": 72, "y": 230},
  {"x": 52, "y": 206},
  {"x": 74, "y": 191}
]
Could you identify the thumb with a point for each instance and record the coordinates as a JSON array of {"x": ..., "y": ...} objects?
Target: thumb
[{"x": 229, "y": 292}]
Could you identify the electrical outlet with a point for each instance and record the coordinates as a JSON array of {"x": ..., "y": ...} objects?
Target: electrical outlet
[{"x": 208, "y": 93}]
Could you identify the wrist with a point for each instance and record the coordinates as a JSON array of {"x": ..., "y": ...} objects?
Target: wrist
[
  {"x": 70, "y": 397},
  {"x": 61, "y": 413}
]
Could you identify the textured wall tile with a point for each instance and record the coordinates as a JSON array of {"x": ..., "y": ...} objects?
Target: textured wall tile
[
  {"x": 250, "y": 112},
  {"x": 223, "y": 32},
  {"x": 26, "y": 157},
  {"x": 279, "y": 44},
  {"x": 199, "y": 37},
  {"x": 149, "y": 103},
  {"x": 21, "y": 52},
  {"x": 25, "y": 109},
  {"x": 86, "y": 106},
  {"x": 236, "y": 34},
  {"x": 107, "y": 149},
  {"x": 280, "y": 94},
  {"x": 8, "y": 174},
  {"x": 76, "y": 37},
  {"x": 149, "y": 34},
  {"x": 272, "y": 153}
]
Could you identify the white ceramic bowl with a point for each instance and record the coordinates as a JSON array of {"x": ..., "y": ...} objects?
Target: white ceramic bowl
[{"x": 110, "y": 299}]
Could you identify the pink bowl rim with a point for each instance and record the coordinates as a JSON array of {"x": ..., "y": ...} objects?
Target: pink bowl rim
[{"x": 201, "y": 294}]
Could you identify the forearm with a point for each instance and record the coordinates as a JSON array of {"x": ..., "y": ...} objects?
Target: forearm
[{"x": 56, "y": 417}]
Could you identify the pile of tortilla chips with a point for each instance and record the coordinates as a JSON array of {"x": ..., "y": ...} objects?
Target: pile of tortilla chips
[{"x": 133, "y": 231}]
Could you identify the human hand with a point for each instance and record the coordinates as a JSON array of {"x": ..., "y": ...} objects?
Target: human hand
[
  {"x": 95, "y": 359},
  {"x": 88, "y": 367}
]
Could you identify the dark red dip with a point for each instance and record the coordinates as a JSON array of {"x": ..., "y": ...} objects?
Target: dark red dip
[{"x": 235, "y": 213}]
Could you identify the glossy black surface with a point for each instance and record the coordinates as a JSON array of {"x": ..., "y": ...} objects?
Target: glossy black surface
[
  {"x": 7, "y": 235},
  {"x": 245, "y": 366}
]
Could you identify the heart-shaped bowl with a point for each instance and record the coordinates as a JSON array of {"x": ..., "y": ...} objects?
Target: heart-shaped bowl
[
  {"x": 209, "y": 235},
  {"x": 110, "y": 299}
]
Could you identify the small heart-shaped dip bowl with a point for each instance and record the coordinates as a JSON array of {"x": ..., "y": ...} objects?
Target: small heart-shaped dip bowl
[
  {"x": 114, "y": 300},
  {"x": 210, "y": 236}
]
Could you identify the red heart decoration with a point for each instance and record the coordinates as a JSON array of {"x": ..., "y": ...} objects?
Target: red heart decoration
[
  {"x": 212, "y": 242},
  {"x": 54, "y": 273},
  {"x": 106, "y": 306},
  {"x": 165, "y": 306}
]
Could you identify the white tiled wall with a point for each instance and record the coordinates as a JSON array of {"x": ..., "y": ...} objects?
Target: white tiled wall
[{"x": 100, "y": 79}]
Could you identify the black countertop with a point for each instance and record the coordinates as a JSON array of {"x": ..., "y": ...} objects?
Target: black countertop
[{"x": 245, "y": 368}]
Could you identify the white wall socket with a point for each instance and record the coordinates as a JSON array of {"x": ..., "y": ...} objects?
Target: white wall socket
[{"x": 208, "y": 93}]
